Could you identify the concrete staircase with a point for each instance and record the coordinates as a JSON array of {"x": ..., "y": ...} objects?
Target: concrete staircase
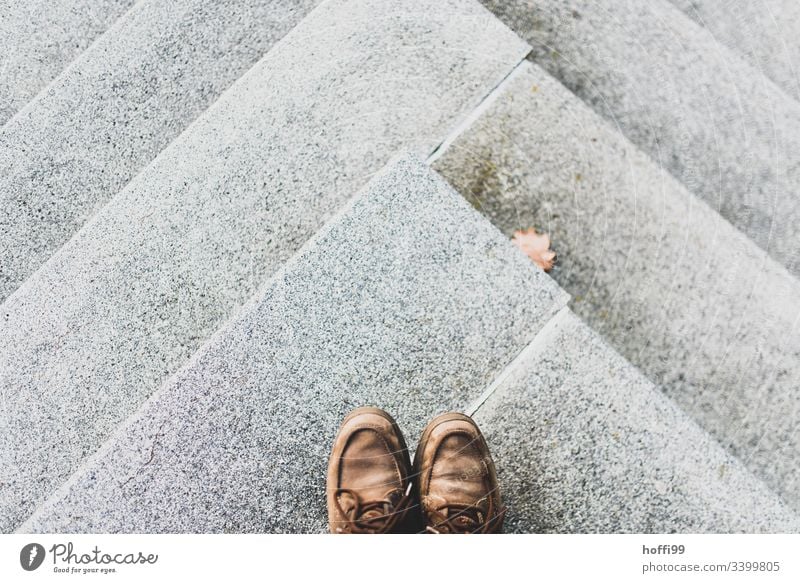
[
  {"x": 136, "y": 291},
  {"x": 713, "y": 121},
  {"x": 691, "y": 301},
  {"x": 190, "y": 318},
  {"x": 371, "y": 311}
]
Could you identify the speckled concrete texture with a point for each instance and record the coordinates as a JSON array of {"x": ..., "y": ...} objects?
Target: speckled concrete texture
[
  {"x": 410, "y": 301},
  {"x": 692, "y": 302},
  {"x": 127, "y": 300},
  {"x": 39, "y": 38},
  {"x": 115, "y": 109},
  {"x": 765, "y": 32},
  {"x": 713, "y": 121},
  {"x": 583, "y": 443}
]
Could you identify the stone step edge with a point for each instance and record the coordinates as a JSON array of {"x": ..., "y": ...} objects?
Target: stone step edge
[
  {"x": 541, "y": 342},
  {"x": 534, "y": 347},
  {"x": 460, "y": 125},
  {"x": 470, "y": 118},
  {"x": 70, "y": 66},
  {"x": 518, "y": 70},
  {"x": 93, "y": 217}
]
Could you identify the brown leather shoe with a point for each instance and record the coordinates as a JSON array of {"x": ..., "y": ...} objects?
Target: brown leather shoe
[
  {"x": 456, "y": 480},
  {"x": 369, "y": 490}
]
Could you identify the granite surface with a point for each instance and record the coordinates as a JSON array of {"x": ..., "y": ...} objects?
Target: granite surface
[
  {"x": 118, "y": 105},
  {"x": 716, "y": 123},
  {"x": 410, "y": 300}
]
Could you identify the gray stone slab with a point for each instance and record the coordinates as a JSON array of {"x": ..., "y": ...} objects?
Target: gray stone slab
[
  {"x": 115, "y": 109},
  {"x": 710, "y": 119},
  {"x": 39, "y": 38},
  {"x": 410, "y": 301},
  {"x": 127, "y": 300},
  {"x": 692, "y": 302},
  {"x": 765, "y": 32},
  {"x": 583, "y": 443}
]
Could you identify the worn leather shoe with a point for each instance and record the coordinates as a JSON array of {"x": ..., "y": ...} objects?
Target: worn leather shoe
[
  {"x": 456, "y": 482},
  {"x": 369, "y": 489}
]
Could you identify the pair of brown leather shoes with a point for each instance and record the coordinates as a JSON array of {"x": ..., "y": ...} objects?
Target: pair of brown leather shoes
[{"x": 372, "y": 487}]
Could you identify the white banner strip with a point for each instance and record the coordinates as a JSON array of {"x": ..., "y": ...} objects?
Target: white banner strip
[{"x": 617, "y": 558}]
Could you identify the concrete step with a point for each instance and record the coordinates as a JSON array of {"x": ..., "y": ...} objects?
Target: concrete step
[
  {"x": 126, "y": 301},
  {"x": 39, "y": 38},
  {"x": 683, "y": 295},
  {"x": 713, "y": 121},
  {"x": 766, "y": 33},
  {"x": 115, "y": 109},
  {"x": 408, "y": 300},
  {"x": 584, "y": 443}
]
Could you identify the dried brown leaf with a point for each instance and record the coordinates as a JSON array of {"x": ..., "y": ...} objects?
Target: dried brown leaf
[{"x": 536, "y": 246}]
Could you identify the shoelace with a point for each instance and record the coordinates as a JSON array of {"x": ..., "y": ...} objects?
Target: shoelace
[
  {"x": 466, "y": 519},
  {"x": 393, "y": 513}
]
